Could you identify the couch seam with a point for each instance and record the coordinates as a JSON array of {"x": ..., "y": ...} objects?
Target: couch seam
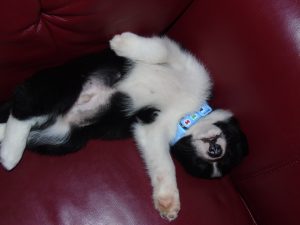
[
  {"x": 248, "y": 210},
  {"x": 172, "y": 23}
]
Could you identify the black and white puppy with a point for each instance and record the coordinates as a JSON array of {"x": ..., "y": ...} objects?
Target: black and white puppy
[{"x": 140, "y": 86}]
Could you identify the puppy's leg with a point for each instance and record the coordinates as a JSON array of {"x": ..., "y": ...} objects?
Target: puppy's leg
[
  {"x": 151, "y": 50},
  {"x": 2, "y": 130},
  {"x": 154, "y": 148},
  {"x": 14, "y": 141}
]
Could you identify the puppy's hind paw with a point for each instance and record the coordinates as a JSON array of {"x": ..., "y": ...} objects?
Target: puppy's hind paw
[
  {"x": 123, "y": 44},
  {"x": 8, "y": 159}
]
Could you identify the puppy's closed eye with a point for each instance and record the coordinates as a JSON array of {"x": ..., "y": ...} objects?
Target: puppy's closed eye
[{"x": 211, "y": 139}]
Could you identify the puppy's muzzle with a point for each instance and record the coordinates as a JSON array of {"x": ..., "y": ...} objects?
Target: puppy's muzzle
[{"x": 215, "y": 150}]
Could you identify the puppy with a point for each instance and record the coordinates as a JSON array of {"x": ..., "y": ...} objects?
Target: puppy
[{"x": 149, "y": 88}]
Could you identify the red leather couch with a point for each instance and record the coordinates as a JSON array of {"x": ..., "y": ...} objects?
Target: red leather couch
[{"x": 251, "y": 48}]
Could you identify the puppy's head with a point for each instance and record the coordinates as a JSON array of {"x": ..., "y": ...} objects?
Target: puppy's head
[{"x": 212, "y": 147}]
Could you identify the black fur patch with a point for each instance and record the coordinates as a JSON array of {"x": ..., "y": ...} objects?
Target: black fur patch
[
  {"x": 56, "y": 89},
  {"x": 237, "y": 145},
  {"x": 185, "y": 152},
  {"x": 4, "y": 111},
  {"x": 147, "y": 115}
]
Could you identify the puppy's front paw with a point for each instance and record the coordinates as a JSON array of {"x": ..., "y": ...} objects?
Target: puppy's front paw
[
  {"x": 167, "y": 204},
  {"x": 123, "y": 44}
]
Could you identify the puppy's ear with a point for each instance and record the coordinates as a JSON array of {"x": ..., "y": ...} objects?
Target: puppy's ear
[
  {"x": 5, "y": 108},
  {"x": 237, "y": 144},
  {"x": 185, "y": 152}
]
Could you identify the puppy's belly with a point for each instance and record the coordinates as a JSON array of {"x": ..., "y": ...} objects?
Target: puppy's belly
[{"x": 93, "y": 99}]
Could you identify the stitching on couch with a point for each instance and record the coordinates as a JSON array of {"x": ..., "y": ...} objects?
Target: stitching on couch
[
  {"x": 47, "y": 25},
  {"x": 270, "y": 170}
]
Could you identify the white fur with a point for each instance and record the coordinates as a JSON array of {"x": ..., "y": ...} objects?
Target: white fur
[
  {"x": 216, "y": 172},
  {"x": 12, "y": 150},
  {"x": 2, "y": 131},
  {"x": 121, "y": 43},
  {"x": 177, "y": 83},
  {"x": 155, "y": 151},
  {"x": 174, "y": 81}
]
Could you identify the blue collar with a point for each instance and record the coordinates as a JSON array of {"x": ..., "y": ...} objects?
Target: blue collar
[{"x": 189, "y": 120}]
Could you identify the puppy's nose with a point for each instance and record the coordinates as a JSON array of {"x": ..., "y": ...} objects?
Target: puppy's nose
[{"x": 214, "y": 150}]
